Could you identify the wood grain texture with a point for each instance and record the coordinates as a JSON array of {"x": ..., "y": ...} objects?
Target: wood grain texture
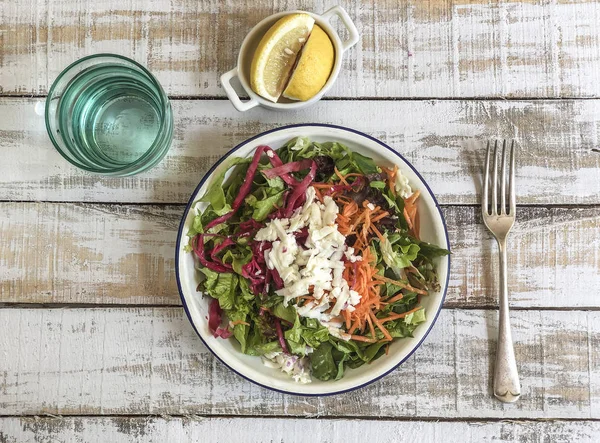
[
  {"x": 149, "y": 361},
  {"x": 81, "y": 253},
  {"x": 442, "y": 139},
  {"x": 434, "y": 48},
  {"x": 248, "y": 430},
  {"x": 100, "y": 253}
]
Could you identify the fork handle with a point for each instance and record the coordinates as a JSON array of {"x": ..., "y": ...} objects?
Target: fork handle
[{"x": 507, "y": 387}]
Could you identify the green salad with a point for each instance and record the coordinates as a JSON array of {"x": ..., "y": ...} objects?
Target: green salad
[{"x": 312, "y": 258}]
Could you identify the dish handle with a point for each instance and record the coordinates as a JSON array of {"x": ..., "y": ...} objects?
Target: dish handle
[
  {"x": 232, "y": 94},
  {"x": 347, "y": 22}
]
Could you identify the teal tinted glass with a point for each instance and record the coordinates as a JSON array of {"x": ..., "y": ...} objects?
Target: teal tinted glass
[{"x": 107, "y": 114}]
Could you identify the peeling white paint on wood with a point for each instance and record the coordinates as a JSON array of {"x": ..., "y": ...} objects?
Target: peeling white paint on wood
[
  {"x": 81, "y": 253},
  {"x": 248, "y": 430},
  {"x": 453, "y": 48},
  {"x": 149, "y": 361},
  {"x": 443, "y": 140},
  {"x": 101, "y": 253}
]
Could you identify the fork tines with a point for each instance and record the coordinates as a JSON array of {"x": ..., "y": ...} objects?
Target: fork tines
[{"x": 494, "y": 209}]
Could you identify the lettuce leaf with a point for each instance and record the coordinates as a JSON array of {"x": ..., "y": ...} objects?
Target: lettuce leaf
[
  {"x": 263, "y": 207},
  {"x": 224, "y": 290},
  {"x": 323, "y": 365},
  {"x": 299, "y": 143},
  {"x": 398, "y": 256},
  {"x": 377, "y": 184},
  {"x": 366, "y": 165},
  {"x": 240, "y": 332},
  {"x": 210, "y": 278},
  {"x": 431, "y": 251},
  {"x": 215, "y": 194},
  {"x": 373, "y": 351},
  {"x": 294, "y": 334},
  {"x": 237, "y": 258},
  {"x": 264, "y": 348},
  {"x": 415, "y": 318},
  {"x": 296, "y": 348},
  {"x": 314, "y": 337},
  {"x": 288, "y": 313}
]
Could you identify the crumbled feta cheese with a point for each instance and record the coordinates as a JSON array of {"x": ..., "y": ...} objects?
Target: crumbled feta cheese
[
  {"x": 336, "y": 332},
  {"x": 349, "y": 253},
  {"x": 331, "y": 211},
  {"x": 371, "y": 206},
  {"x": 402, "y": 187},
  {"x": 267, "y": 233},
  {"x": 318, "y": 263}
]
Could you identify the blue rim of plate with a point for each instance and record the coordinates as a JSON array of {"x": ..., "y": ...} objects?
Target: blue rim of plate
[{"x": 209, "y": 174}]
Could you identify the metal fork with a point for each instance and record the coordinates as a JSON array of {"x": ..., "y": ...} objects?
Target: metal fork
[{"x": 507, "y": 387}]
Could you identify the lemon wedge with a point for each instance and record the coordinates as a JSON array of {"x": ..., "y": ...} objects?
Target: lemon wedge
[
  {"x": 313, "y": 68},
  {"x": 276, "y": 54}
]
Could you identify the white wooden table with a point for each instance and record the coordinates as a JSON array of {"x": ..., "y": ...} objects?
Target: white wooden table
[{"x": 94, "y": 345}]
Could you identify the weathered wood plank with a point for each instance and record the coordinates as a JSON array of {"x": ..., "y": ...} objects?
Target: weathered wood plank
[
  {"x": 246, "y": 430},
  {"x": 450, "y": 48},
  {"x": 97, "y": 253},
  {"x": 442, "y": 139},
  {"x": 80, "y": 253},
  {"x": 149, "y": 361}
]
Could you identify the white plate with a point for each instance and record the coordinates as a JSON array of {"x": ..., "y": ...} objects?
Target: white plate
[{"x": 433, "y": 230}]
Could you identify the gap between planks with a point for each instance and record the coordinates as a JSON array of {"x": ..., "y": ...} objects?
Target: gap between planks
[
  {"x": 435, "y": 419},
  {"x": 217, "y": 430},
  {"x": 364, "y": 98}
]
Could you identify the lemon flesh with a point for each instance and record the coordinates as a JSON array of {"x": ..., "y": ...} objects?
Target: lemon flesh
[
  {"x": 276, "y": 54},
  {"x": 313, "y": 68}
]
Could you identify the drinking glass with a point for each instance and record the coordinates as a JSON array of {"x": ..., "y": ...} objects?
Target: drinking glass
[{"x": 108, "y": 115}]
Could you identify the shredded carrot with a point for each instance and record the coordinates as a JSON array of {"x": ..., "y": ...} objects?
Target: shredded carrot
[
  {"x": 417, "y": 226},
  {"x": 376, "y": 231},
  {"x": 362, "y": 338},
  {"x": 371, "y": 328},
  {"x": 397, "y": 316},
  {"x": 347, "y": 318},
  {"x": 408, "y": 220},
  {"x": 344, "y": 199},
  {"x": 379, "y": 217},
  {"x": 340, "y": 176},
  {"x": 354, "y": 327},
  {"x": 395, "y": 298},
  {"x": 318, "y": 195},
  {"x": 239, "y": 322},
  {"x": 388, "y": 171},
  {"x": 413, "y": 198},
  {"x": 400, "y": 284},
  {"x": 386, "y": 334},
  {"x": 411, "y": 213},
  {"x": 391, "y": 177}
]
